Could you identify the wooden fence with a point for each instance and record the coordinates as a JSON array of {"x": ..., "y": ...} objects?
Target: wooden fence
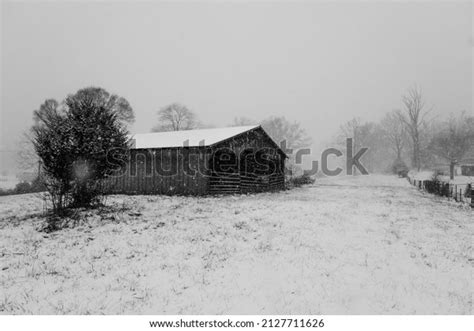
[{"x": 459, "y": 192}]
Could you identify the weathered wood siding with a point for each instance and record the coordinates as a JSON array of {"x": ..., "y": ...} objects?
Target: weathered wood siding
[
  {"x": 180, "y": 171},
  {"x": 244, "y": 178}
]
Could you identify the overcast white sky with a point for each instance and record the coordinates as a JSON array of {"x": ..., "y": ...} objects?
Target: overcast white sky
[{"x": 318, "y": 63}]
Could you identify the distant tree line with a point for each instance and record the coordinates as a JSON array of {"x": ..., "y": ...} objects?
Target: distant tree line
[
  {"x": 411, "y": 137},
  {"x": 24, "y": 187}
]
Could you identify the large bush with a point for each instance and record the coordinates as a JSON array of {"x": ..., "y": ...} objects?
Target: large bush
[
  {"x": 297, "y": 181},
  {"x": 79, "y": 145},
  {"x": 400, "y": 168}
]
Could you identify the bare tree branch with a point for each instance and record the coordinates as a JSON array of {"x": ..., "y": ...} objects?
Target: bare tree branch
[
  {"x": 414, "y": 118},
  {"x": 175, "y": 117}
]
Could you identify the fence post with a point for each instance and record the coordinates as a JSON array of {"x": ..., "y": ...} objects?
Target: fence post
[{"x": 472, "y": 195}]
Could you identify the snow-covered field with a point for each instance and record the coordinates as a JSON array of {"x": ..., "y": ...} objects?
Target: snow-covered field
[{"x": 348, "y": 245}]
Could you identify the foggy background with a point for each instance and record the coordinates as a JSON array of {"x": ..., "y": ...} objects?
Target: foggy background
[{"x": 320, "y": 64}]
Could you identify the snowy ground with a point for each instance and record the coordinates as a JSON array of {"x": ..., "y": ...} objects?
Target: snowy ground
[{"x": 363, "y": 245}]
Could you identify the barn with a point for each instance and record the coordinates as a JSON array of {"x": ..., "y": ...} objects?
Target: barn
[
  {"x": 467, "y": 163},
  {"x": 467, "y": 168},
  {"x": 199, "y": 162}
]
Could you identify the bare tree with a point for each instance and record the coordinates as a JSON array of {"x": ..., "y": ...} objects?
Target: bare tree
[
  {"x": 395, "y": 132},
  {"x": 289, "y": 136},
  {"x": 453, "y": 140},
  {"x": 414, "y": 118},
  {"x": 368, "y": 135},
  {"x": 351, "y": 129},
  {"x": 27, "y": 158},
  {"x": 243, "y": 121},
  {"x": 282, "y": 130},
  {"x": 175, "y": 117}
]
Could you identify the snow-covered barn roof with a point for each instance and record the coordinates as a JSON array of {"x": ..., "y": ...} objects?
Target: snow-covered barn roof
[{"x": 190, "y": 138}]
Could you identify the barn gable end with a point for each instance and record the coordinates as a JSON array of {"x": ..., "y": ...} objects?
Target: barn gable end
[{"x": 252, "y": 173}]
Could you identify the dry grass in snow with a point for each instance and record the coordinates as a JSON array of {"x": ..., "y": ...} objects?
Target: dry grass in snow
[{"x": 346, "y": 245}]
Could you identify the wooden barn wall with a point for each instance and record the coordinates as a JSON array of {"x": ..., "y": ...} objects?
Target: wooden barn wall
[
  {"x": 247, "y": 182},
  {"x": 180, "y": 171}
]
